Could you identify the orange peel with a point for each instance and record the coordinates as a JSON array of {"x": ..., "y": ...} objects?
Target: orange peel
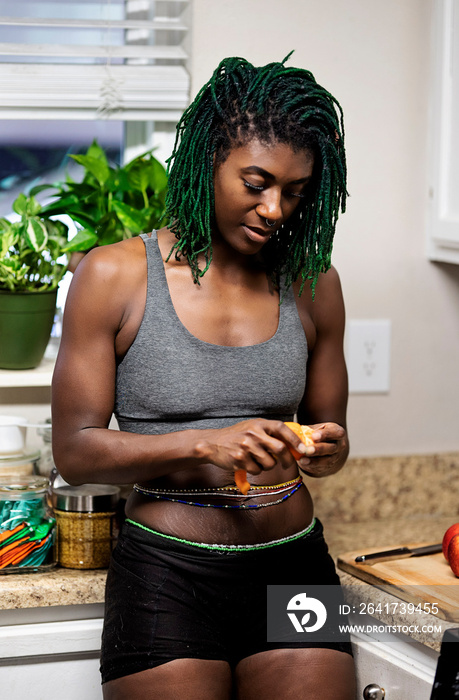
[
  {"x": 240, "y": 478},
  {"x": 304, "y": 432}
]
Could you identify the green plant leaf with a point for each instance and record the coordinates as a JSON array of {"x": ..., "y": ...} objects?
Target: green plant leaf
[
  {"x": 157, "y": 175},
  {"x": 120, "y": 183},
  {"x": 61, "y": 205},
  {"x": 9, "y": 226},
  {"x": 96, "y": 151},
  {"x": 40, "y": 188},
  {"x": 97, "y": 167},
  {"x": 8, "y": 239},
  {"x": 131, "y": 218},
  {"x": 33, "y": 207},
  {"x": 57, "y": 237},
  {"x": 32, "y": 249},
  {"x": 57, "y": 229},
  {"x": 36, "y": 235},
  {"x": 13, "y": 275},
  {"x": 80, "y": 189},
  {"x": 110, "y": 229},
  {"x": 83, "y": 240},
  {"x": 20, "y": 204},
  {"x": 85, "y": 221},
  {"x": 138, "y": 178}
]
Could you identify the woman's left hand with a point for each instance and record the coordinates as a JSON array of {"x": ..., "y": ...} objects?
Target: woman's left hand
[{"x": 329, "y": 452}]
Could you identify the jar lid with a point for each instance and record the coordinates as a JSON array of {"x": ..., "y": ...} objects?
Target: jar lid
[
  {"x": 88, "y": 498},
  {"x": 20, "y": 458},
  {"x": 22, "y": 486},
  {"x": 45, "y": 430}
]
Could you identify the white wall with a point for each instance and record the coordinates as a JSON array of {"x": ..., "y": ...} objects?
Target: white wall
[{"x": 374, "y": 57}]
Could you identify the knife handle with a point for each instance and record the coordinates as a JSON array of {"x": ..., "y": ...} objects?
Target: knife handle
[{"x": 370, "y": 559}]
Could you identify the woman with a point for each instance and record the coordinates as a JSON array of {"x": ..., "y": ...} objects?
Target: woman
[{"x": 198, "y": 337}]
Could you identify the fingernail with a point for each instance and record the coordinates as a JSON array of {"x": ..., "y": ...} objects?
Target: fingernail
[
  {"x": 304, "y": 461},
  {"x": 302, "y": 448},
  {"x": 316, "y": 436},
  {"x": 310, "y": 450}
]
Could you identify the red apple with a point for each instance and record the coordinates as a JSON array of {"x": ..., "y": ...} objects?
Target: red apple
[
  {"x": 453, "y": 555},
  {"x": 449, "y": 534}
]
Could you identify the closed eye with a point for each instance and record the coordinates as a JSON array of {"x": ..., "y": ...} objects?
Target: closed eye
[
  {"x": 251, "y": 186},
  {"x": 301, "y": 195}
]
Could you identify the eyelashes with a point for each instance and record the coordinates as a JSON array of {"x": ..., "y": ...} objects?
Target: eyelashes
[
  {"x": 251, "y": 186},
  {"x": 259, "y": 188}
]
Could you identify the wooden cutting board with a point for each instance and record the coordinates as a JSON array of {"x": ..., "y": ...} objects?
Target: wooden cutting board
[{"x": 426, "y": 579}]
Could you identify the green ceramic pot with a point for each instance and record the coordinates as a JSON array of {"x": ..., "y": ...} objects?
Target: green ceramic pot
[{"x": 26, "y": 320}]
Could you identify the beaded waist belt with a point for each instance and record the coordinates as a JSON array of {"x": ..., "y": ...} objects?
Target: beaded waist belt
[{"x": 288, "y": 488}]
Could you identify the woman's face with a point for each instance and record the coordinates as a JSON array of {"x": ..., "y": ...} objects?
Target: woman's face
[{"x": 257, "y": 188}]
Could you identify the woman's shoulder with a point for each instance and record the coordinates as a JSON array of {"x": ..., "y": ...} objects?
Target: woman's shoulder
[
  {"x": 113, "y": 254},
  {"x": 326, "y": 306},
  {"x": 328, "y": 286},
  {"x": 111, "y": 274},
  {"x": 114, "y": 263}
]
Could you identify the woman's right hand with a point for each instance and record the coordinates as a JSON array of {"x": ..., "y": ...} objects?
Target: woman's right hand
[{"x": 254, "y": 445}]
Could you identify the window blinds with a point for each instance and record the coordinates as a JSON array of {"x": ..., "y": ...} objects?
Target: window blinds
[{"x": 82, "y": 59}]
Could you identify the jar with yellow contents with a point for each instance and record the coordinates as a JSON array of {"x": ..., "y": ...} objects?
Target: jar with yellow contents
[{"x": 86, "y": 525}]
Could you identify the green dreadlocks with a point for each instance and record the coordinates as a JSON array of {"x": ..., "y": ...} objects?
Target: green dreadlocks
[{"x": 272, "y": 103}]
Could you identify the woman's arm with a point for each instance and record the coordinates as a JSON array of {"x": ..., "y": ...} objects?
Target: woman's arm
[
  {"x": 104, "y": 298},
  {"x": 97, "y": 312},
  {"x": 325, "y": 400}
]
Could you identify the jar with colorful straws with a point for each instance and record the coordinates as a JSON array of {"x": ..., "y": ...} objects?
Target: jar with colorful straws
[{"x": 27, "y": 525}]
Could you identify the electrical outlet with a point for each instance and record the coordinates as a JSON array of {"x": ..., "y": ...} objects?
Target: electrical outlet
[{"x": 368, "y": 356}]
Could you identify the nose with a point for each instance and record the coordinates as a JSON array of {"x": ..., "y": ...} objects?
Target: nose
[{"x": 270, "y": 206}]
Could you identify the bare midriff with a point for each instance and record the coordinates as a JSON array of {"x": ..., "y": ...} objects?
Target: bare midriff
[{"x": 213, "y": 525}]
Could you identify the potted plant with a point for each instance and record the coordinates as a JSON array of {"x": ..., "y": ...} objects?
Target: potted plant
[
  {"x": 110, "y": 203},
  {"x": 32, "y": 263}
]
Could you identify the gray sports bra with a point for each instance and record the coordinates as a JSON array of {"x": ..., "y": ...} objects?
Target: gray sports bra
[{"x": 170, "y": 380}]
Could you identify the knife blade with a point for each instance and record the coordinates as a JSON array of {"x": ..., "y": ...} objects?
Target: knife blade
[{"x": 399, "y": 553}]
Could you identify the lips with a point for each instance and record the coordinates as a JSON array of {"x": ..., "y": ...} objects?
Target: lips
[{"x": 257, "y": 234}]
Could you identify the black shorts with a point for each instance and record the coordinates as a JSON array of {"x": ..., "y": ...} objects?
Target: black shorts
[{"x": 168, "y": 600}]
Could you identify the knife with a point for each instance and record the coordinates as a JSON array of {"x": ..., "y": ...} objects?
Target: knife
[{"x": 399, "y": 553}]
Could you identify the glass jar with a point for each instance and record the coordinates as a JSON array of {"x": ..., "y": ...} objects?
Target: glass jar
[
  {"x": 27, "y": 525},
  {"x": 86, "y": 523},
  {"x": 46, "y": 464},
  {"x": 24, "y": 463}
]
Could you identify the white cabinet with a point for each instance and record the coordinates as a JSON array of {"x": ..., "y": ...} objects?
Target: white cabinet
[
  {"x": 51, "y": 660},
  {"x": 404, "y": 669},
  {"x": 46, "y": 656}
]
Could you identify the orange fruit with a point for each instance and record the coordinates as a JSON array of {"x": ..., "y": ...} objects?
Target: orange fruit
[
  {"x": 240, "y": 478},
  {"x": 304, "y": 432}
]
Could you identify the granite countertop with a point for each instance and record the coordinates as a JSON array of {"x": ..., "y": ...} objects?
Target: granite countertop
[{"x": 56, "y": 587}]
